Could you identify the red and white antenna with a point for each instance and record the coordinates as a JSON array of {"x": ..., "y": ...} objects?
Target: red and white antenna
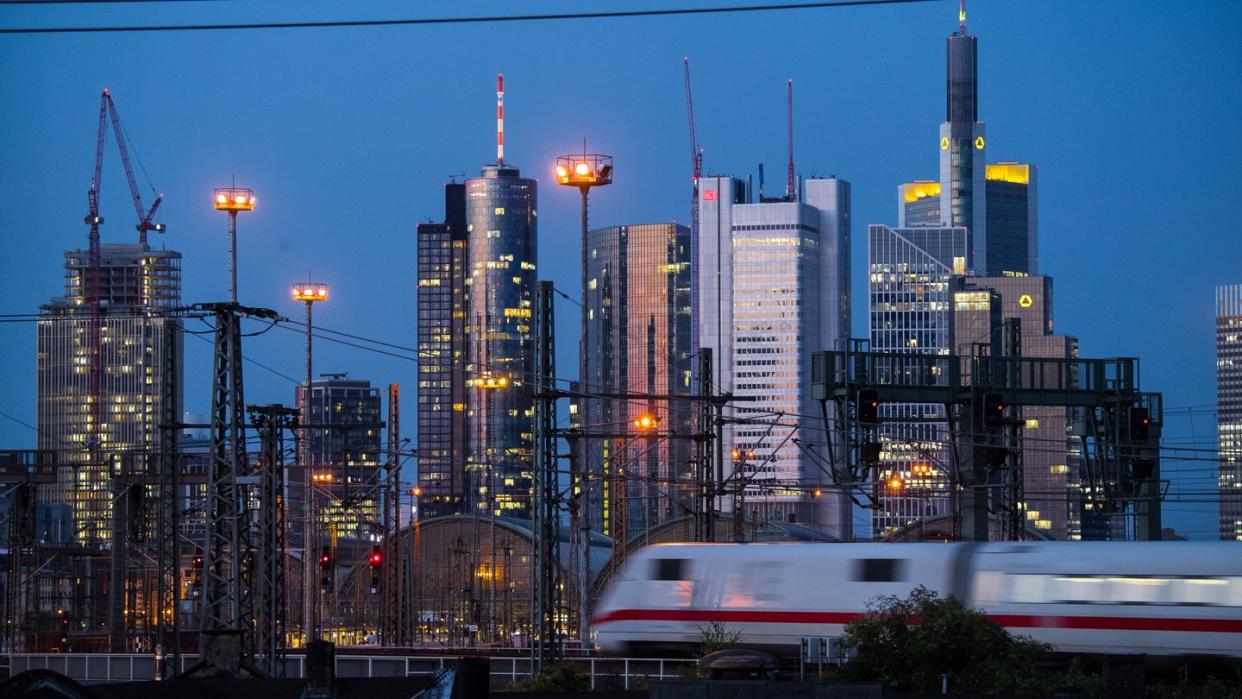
[
  {"x": 500, "y": 118},
  {"x": 791, "y": 186}
]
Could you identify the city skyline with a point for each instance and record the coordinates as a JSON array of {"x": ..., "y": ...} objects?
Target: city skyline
[{"x": 301, "y": 214}]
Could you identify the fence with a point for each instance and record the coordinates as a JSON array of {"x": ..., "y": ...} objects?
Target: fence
[{"x": 621, "y": 673}]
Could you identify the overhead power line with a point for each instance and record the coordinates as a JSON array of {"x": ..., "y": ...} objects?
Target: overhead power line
[{"x": 491, "y": 19}]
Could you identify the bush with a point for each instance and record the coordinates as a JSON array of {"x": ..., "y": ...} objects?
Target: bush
[
  {"x": 908, "y": 644},
  {"x": 561, "y": 677}
]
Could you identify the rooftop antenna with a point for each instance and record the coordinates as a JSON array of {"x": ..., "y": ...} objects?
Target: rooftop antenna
[
  {"x": 500, "y": 119},
  {"x": 961, "y": 16},
  {"x": 791, "y": 186}
]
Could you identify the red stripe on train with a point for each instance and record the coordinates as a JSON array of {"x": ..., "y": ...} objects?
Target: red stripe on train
[{"x": 1019, "y": 621}]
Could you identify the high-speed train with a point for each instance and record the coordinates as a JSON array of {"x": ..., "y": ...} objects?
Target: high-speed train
[{"x": 1158, "y": 598}]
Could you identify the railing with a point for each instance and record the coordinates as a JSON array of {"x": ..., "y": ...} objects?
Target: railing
[{"x": 125, "y": 667}]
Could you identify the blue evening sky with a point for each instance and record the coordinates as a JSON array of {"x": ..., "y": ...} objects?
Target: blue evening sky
[{"x": 1130, "y": 110}]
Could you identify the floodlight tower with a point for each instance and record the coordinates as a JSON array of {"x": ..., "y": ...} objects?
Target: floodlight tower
[
  {"x": 584, "y": 172},
  {"x": 233, "y": 200},
  {"x": 309, "y": 293}
]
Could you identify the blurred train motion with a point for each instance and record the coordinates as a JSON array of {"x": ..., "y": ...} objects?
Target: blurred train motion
[{"x": 1160, "y": 599}]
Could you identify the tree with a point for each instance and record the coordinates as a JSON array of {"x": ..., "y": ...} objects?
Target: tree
[{"x": 910, "y": 643}]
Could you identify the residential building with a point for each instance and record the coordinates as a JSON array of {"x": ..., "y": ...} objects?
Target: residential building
[
  {"x": 136, "y": 287},
  {"x": 773, "y": 289}
]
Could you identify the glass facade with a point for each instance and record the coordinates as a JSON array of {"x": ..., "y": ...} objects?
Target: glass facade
[
  {"x": 911, "y": 311},
  {"x": 774, "y": 288},
  {"x": 501, "y": 249},
  {"x": 1229, "y": 407},
  {"x": 441, "y": 350},
  {"x": 1011, "y": 223},
  {"x": 348, "y": 450},
  {"x": 136, "y": 285},
  {"x": 637, "y": 340}
]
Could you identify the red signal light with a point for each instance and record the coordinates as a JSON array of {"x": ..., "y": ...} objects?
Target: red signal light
[{"x": 377, "y": 557}]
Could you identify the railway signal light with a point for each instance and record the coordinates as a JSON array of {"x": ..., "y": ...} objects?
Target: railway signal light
[
  {"x": 1140, "y": 424},
  {"x": 868, "y": 407},
  {"x": 993, "y": 410},
  {"x": 895, "y": 484},
  {"x": 325, "y": 569},
  {"x": 376, "y": 561}
]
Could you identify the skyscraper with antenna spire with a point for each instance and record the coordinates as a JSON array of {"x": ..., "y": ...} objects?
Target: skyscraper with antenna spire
[{"x": 499, "y": 285}]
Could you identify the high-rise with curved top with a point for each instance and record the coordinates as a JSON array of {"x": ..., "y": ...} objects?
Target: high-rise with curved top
[{"x": 501, "y": 230}]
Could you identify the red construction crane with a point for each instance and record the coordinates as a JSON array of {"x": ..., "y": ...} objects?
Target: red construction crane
[
  {"x": 144, "y": 217},
  {"x": 107, "y": 108}
]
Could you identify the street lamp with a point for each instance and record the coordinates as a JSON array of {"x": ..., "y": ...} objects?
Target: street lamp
[
  {"x": 308, "y": 293},
  {"x": 489, "y": 383},
  {"x": 584, "y": 171},
  {"x": 233, "y": 200}
]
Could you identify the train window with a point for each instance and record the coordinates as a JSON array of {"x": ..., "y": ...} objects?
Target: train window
[
  {"x": 668, "y": 569},
  {"x": 879, "y": 569}
]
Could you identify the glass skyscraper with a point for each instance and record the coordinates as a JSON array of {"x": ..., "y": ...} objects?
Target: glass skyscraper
[
  {"x": 501, "y": 249},
  {"x": 773, "y": 289},
  {"x": 137, "y": 285},
  {"x": 441, "y": 398},
  {"x": 1229, "y": 407},
  {"x": 637, "y": 340},
  {"x": 347, "y": 448},
  {"x": 910, "y": 271}
]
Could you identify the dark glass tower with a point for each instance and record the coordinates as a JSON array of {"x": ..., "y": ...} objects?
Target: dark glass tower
[
  {"x": 348, "y": 448},
  {"x": 963, "y": 200},
  {"x": 638, "y": 341},
  {"x": 442, "y": 349},
  {"x": 501, "y": 250}
]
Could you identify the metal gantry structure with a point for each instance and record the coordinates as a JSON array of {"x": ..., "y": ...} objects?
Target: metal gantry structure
[
  {"x": 546, "y": 581},
  {"x": 270, "y": 599},
  {"x": 1117, "y": 426}
]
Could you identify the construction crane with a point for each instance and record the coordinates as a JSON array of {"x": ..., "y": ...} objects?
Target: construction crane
[
  {"x": 696, "y": 154},
  {"x": 696, "y": 167},
  {"x": 107, "y": 108},
  {"x": 791, "y": 184}
]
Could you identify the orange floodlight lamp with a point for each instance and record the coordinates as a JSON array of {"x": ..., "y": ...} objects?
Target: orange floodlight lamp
[{"x": 234, "y": 199}]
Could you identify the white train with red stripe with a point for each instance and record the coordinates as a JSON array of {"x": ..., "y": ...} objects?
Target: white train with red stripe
[{"x": 1157, "y": 598}]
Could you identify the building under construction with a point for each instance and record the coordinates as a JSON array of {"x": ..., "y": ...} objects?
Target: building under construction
[{"x": 136, "y": 286}]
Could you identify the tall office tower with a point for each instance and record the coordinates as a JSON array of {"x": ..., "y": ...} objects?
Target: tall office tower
[
  {"x": 345, "y": 454},
  {"x": 441, "y": 352},
  {"x": 501, "y": 230},
  {"x": 996, "y": 203},
  {"x": 1051, "y": 480},
  {"x": 637, "y": 340},
  {"x": 1010, "y": 222},
  {"x": 910, "y": 272},
  {"x": 773, "y": 289},
  {"x": 1229, "y": 407},
  {"x": 136, "y": 286},
  {"x": 963, "y": 201}
]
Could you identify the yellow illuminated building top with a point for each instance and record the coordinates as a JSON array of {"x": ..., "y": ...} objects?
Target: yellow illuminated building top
[
  {"x": 1018, "y": 173},
  {"x": 920, "y": 189}
]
